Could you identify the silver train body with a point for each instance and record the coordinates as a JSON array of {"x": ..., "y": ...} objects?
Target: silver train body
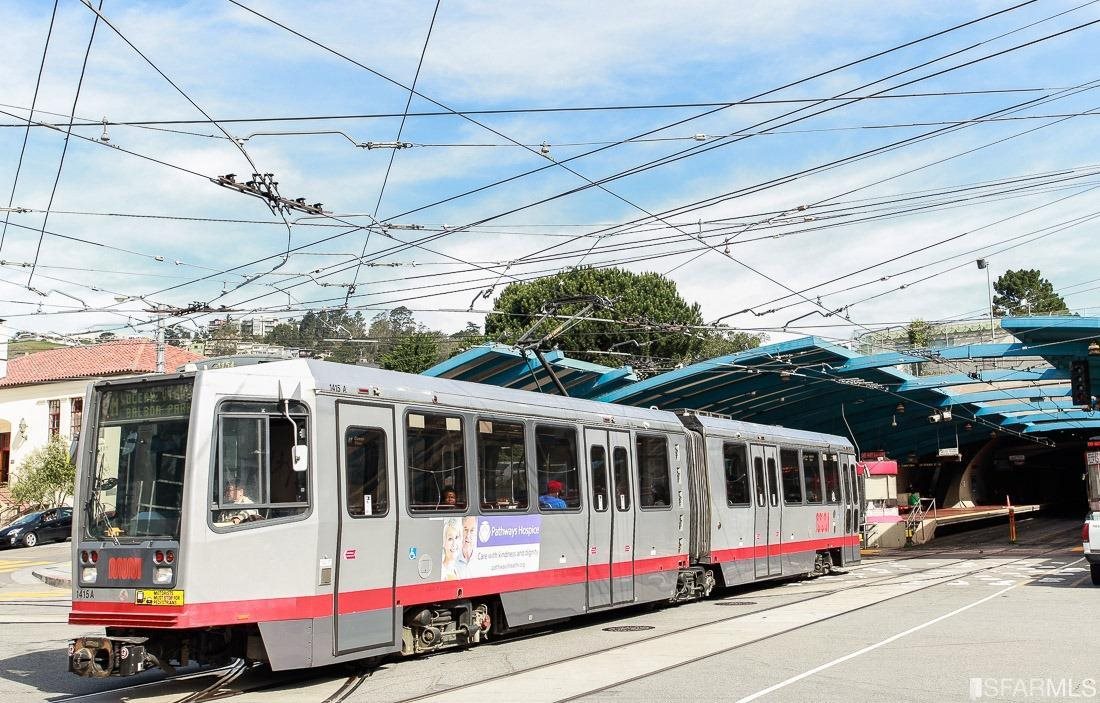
[{"x": 301, "y": 513}]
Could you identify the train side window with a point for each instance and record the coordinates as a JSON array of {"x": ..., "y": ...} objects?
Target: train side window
[
  {"x": 597, "y": 459},
  {"x": 792, "y": 476},
  {"x": 620, "y": 466},
  {"x": 255, "y": 477},
  {"x": 773, "y": 482},
  {"x": 811, "y": 472},
  {"x": 556, "y": 460},
  {"x": 365, "y": 460},
  {"x": 736, "y": 461},
  {"x": 653, "y": 475},
  {"x": 832, "y": 479},
  {"x": 761, "y": 482},
  {"x": 502, "y": 465},
  {"x": 436, "y": 456}
]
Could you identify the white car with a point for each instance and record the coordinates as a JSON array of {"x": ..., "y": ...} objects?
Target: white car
[{"x": 1090, "y": 536}]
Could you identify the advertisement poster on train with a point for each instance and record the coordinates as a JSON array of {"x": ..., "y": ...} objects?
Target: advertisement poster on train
[{"x": 490, "y": 546}]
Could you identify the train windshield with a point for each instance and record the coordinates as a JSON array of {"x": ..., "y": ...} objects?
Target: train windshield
[{"x": 137, "y": 485}]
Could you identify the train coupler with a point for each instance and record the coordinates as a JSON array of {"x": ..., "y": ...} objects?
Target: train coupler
[{"x": 100, "y": 657}]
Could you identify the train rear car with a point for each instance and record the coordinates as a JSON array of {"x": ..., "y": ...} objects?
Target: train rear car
[{"x": 771, "y": 502}]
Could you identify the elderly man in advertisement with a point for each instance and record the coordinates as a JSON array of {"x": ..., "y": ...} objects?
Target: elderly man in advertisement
[
  {"x": 469, "y": 542},
  {"x": 551, "y": 500}
]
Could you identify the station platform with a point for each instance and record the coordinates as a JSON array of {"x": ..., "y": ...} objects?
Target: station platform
[
  {"x": 954, "y": 516},
  {"x": 894, "y": 533}
]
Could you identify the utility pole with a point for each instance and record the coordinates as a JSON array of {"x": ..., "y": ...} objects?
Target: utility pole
[
  {"x": 984, "y": 264},
  {"x": 160, "y": 344}
]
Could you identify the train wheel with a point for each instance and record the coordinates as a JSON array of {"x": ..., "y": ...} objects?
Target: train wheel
[{"x": 1095, "y": 574}]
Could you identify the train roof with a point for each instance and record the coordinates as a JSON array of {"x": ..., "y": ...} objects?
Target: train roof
[
  {"x": 739, "y": 428},
  {"x": 363, "y": 381}
]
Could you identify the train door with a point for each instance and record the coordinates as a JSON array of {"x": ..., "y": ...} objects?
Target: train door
[
  {"x": 622, "y": 529},
  {"x": 767, "y": 552},
  {"x": 850, "y": 552},
  {"x": 600, "y": 520},
  {"x": 366, "y": 547},
  {"x": 857, "y": 505},
  {"x": 775, "y": 513}
]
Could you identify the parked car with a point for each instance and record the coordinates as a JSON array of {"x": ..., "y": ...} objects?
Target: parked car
[{"x": 54, "y": 524}]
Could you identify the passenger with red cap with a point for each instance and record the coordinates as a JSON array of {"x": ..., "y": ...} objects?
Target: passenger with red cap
[{"x": 551, "y": 500}]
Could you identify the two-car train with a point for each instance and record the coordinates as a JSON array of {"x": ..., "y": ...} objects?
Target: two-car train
[{"x": 305, "y": 513}]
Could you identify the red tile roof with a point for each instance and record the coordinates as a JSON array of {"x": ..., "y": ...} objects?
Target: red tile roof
[{"x": 118, "y": 357}]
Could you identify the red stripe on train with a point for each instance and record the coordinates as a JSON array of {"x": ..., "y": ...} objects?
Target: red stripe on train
[{"x": 86, "y": 612}]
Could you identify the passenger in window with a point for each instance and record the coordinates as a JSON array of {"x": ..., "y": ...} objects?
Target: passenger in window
[
  {"x": 449, "y": 499},
  {"x": 551, "y": 499},
  {"x": 234, "y": 493}
]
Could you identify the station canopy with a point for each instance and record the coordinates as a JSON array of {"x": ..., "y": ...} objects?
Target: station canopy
[{"x": 965, "y": 393}]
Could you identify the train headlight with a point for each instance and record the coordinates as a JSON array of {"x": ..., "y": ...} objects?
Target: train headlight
[
  {"x": 88, "y": 574},
  {"x": 162, "y": 575}
]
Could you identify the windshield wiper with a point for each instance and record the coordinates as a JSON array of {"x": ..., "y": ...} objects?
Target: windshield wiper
[{"x": 101, "y": 512}]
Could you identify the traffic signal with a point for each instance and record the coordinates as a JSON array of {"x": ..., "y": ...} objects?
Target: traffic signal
[{"x": 1079, "y": 382}]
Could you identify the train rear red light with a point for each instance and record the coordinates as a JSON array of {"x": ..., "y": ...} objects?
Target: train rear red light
[
  {"x": 84, "y": 556},
  {"x": 158, "y": 557},
  {"x": 169, "y": 557},
  {"x": 94, "y": 556}
]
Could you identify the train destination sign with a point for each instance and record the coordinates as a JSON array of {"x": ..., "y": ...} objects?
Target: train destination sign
[{"x": 163, "y": 400}]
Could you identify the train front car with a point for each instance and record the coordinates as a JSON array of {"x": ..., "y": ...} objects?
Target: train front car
[
  {"x": 193, "y": 529},
  {"x": 126, "y": 526}
]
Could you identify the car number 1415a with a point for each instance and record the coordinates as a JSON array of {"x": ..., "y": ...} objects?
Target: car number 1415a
[{"x": 84, "y": 594}]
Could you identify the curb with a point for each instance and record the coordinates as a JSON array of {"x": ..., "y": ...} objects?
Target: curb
[{"x": 53, "y": 580}]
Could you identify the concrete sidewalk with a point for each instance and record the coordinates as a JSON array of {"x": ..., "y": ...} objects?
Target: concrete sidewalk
[{"x": 59, "y": 575}]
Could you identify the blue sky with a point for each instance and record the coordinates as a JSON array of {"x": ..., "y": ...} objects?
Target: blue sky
[{"x": 485, "y": 56}]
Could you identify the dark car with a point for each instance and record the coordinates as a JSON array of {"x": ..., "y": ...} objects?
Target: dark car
[{"x": 51, "y": 525}]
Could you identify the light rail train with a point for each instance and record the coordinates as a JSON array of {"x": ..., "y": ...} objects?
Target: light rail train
[{"x": 304, "y": 513}]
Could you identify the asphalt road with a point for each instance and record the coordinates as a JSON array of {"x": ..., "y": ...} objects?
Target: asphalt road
[{"x": 965, "y": 615}]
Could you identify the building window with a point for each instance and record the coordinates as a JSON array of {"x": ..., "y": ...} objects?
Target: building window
[
  {"x": 76, "y": 414},
  {"x": 55, "y": 418}
]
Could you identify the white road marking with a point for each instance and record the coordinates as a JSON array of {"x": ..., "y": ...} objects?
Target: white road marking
[
  {"x": 958, "y": 583},
  {"x": 869, "y": 648},
  {"x": 1051, "y": 579}
]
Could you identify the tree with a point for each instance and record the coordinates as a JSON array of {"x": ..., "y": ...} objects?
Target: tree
[
  {"x": 284, "y": 334},
  {"x": 176, "y": 335},
  {"x": 46, "y": 476},
  {"x": 414, "y": 352},
  {"x": 724, "y": 343},
  {"x": 919, "y": 333},
  {"x": 1026, "y": 292},
  {"x": 647, "y": 316},
  {"x": 224, "y": 339}
]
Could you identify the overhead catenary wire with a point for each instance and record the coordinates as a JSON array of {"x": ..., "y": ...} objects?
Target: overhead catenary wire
[
  {"x": 64, "y": 150},
  {"x": 30, "y": 118}
]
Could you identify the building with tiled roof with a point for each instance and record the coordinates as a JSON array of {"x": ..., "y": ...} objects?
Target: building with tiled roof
[{"x": 42, "y": 394}]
